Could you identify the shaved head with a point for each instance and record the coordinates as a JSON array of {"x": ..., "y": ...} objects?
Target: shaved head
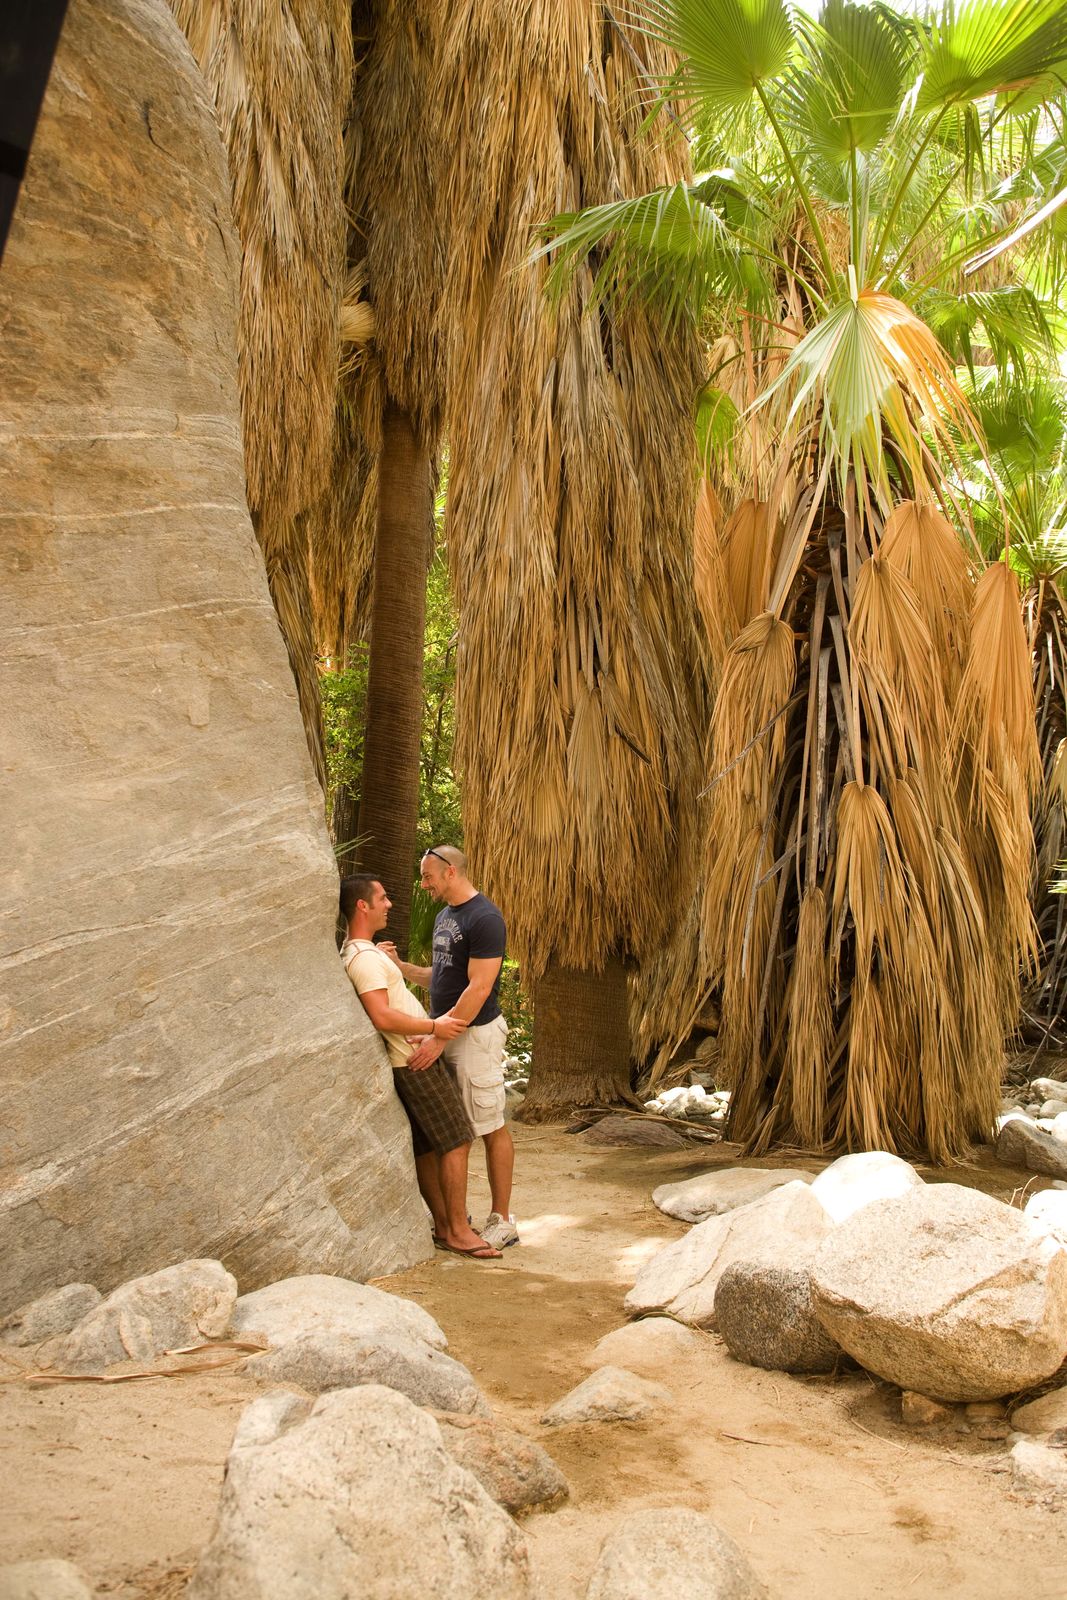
[{"x": 449, "y": 853}]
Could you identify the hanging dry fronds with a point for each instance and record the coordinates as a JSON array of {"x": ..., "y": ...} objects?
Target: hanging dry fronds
[
  {"x": 995, "y": 713},
  {"x": 709, "y": 573},
  {"x": 870, "y": 879},
  {"x": 281, "y": 79},
  {"x": 580, "y": 673},
  {"x": 924, "y": 546},
  {"x": 810, "y": 1030},
  {"x": 746, "y": 554},
  {"x": 900, "y": 674}
]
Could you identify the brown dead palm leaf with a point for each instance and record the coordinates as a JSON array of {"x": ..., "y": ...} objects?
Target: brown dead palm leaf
[
  {"x": 920, "y": 541},
  {"x": 280, "y": 77},
  {"x": 995, "y": 710}
]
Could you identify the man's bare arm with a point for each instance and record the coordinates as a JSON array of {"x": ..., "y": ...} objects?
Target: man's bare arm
[
  {"x": 481, "y": 975},
  {"x": 412, "y": 973},
  {"x": 387, "y": 1019}
]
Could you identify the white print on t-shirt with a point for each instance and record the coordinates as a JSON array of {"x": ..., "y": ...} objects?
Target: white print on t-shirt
[{"x": 446, "y": 934}]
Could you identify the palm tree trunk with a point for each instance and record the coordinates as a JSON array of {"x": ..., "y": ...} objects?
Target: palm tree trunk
[
  {"x": 581, "y": 1053},
  {"x": 344, "y": 827},
  {"x": 388, "y": 812}
]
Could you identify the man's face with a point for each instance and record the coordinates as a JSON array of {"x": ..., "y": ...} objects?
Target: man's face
[
  {"x": 378, "y": 908},
  {"x": 434, "y": 876}
]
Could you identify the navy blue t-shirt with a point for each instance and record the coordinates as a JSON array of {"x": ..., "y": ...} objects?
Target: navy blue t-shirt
[{"x": 474, "y": 929}]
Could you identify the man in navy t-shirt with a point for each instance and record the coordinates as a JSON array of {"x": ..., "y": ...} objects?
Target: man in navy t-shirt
[{"x": 468, "y": 952}]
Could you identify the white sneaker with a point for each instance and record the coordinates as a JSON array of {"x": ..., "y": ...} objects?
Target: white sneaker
[{"x": 499, "y": 1231}]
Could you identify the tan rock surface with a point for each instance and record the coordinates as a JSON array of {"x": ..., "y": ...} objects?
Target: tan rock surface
[
  {"x": 945, "y": 1291},
  {"x": 186, "y": 1070}
]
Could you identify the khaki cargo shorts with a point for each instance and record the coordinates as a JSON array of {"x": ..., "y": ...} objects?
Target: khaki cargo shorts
[{"x": 477, "y": 1059}]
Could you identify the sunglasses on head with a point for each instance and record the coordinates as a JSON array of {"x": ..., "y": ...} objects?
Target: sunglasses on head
[{"x": 439, "y": 856}]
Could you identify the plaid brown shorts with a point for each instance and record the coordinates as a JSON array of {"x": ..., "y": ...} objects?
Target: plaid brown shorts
[{"x": 435, "y": 1110}]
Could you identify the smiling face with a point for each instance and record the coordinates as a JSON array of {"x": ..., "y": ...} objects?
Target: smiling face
[
  {"x": 436, "y": 876},
  {"x": 378, "y": 908}
]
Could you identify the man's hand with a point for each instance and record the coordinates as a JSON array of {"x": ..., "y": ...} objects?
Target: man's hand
[
  {"x": 449, "y": 1026},
  {"x": 427, "y": 1053},
  {"x": 387, "y": 947}
]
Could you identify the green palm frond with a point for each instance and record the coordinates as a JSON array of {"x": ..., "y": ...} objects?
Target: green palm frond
[
  {"x": 670, "y": 246},
  {"x": 1012, "y": 323},
  {"x": 982, "y": 46},
  {"x": 845, "y": 93},
  {"x": 728, "y": 48},
  {"x": 870, "y": 364}
]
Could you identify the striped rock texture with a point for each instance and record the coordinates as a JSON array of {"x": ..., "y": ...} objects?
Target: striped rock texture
[{"x": 184, "y": 1068}]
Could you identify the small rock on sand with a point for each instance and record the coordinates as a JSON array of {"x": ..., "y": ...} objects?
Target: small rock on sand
[
  {"x": 641, "y": 1131},
  {"x": 709, "y": 1194},
  {"x": 50, "y": 1315},
  {"x": 647, "y": 1346},
  {"x": 672, "y": 1554},
  {"x": 516, "y": 1472},
  {"x": 611, "y": 1394},
  {"x": 1042, "y": 1416}
]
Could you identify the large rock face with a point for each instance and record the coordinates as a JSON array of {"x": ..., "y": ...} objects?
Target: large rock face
[{"x": 186, "y": 1070}]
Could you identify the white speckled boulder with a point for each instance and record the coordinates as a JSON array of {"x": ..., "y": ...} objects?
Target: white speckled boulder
[
  {"x": 784, "y": 1228},
  {"x": 672, "y": 1554},
  {"x": 355, "y": 1495},
  {"x": 945, "y": 1291}
]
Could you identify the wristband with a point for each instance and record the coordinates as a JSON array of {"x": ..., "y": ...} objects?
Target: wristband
[{"x": 433, "y": 1028}]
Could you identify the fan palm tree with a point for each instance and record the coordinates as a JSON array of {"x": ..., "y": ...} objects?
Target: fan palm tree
[
  {"x": 579, "y": 669},
  {"x": 868, "y": 849}
]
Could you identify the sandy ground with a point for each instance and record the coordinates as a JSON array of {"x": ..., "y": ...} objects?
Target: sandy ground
[{"x": 817, "y": 1480}]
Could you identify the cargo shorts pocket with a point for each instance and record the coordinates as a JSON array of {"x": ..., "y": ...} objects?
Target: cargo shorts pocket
[{"x": 485, "y": 1074}]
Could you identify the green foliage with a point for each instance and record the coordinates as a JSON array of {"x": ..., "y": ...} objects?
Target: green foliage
[
  {"x": 420, "y": 928},
  {"x": 440, "y": 820},
  {"x": 344, "y": 704},
  {"x": 518, "y": 1012}
]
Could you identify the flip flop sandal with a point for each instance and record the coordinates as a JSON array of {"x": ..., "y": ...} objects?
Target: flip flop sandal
[{"x": 478, "y": 1252}]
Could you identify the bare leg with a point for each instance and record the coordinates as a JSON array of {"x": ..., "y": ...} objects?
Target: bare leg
[
  {"x": 427, "y": 1173},
  {"x": 500, "y": 1166},
  {"x": 453, "y": 1175}
]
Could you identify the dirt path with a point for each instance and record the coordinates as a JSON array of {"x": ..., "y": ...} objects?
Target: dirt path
[{"x": 816, "y": 1479}]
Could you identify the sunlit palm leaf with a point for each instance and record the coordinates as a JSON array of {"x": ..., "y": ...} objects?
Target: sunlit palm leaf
[
  {"x": 845, "y": 94},
  {"x": 728, "y": 47},
  {"x": 669, "y": 245},
  {"x": 985, "y": 45},
  {"x": 872, "y": 364},
  {"x": 1011, "y": 322}
]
